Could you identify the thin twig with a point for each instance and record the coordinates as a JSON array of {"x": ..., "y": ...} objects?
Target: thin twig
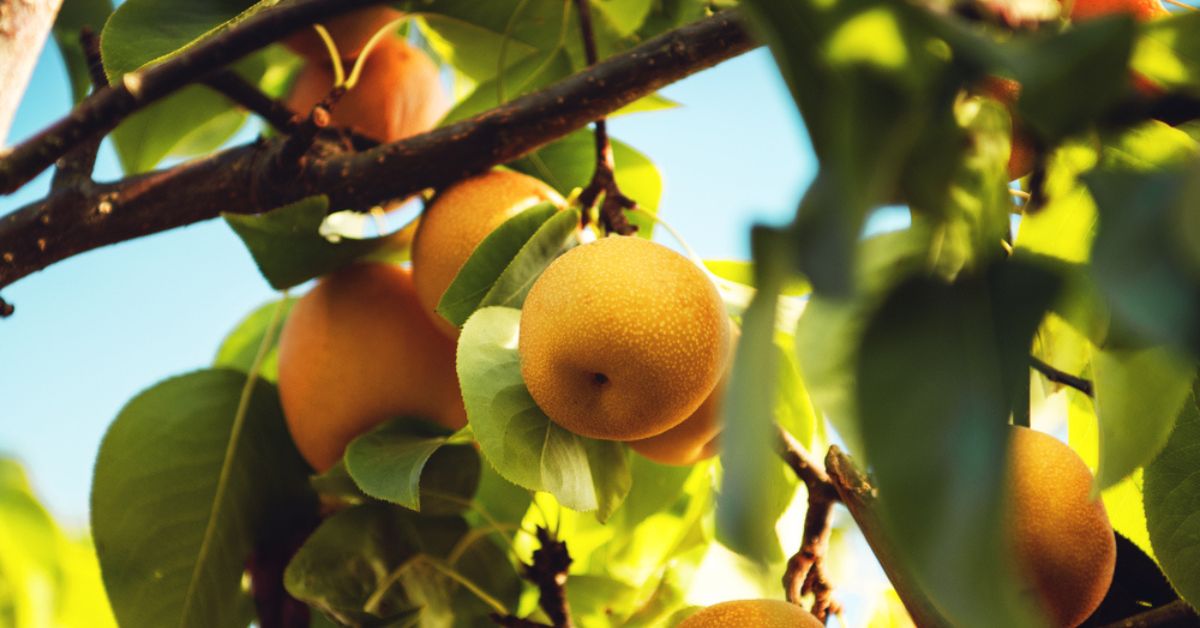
[
  {"x": 250, "y": 97},
  {"x": 604, "y": 179},
  {"x": 1177, "y": 613},
  {"x": 805, "y": 571},
  {"x": 1058, "y": 377},
  {"x": 244, "y": 179},
  {"x": 101, "y": 112},
  {"x": 75, "y": 168}
]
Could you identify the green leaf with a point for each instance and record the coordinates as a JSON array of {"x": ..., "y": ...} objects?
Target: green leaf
[
  {"x": 174, "y": 519},
  {"x": 1172, "y": 496},
  {"x": 378, "y": 561},
  {"x": 1050, "y": 71},
  {"x": 570, "y": 162},
  {"x": 490, "y": 261},
  {"x": 742, "y": 272},
  {"x": 937, "y": 372},
  {"x": 1145, "y": 256},
  {"x": 1138, "y": 395},
  {"x": 654, "y": 488},
  {"x": 288, "y": 247},
  {"x": 556, "y": 235},
  {"x": 72, "y": 17},
  {"x": 240, "y": 346},
  {"x": 750, "y": 465},
  {"x": 1168, "y": 51},
  {"x": 141, "y": 32},
  {"x": 598, "y": 600},
  {"x": 498, "y": 500},
  {"x": 408, "y": 462},
  {"x": 517, "y": 438}
]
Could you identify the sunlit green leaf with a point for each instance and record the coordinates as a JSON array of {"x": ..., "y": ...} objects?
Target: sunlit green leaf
[
  {"x": 409, "y": 462},
  {"x": 517, "y": 438},
  {"x": 240, "y": 346}
]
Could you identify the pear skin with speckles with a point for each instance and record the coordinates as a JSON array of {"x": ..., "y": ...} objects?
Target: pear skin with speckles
[
  {"x": 458, "y": 219},
  {"x": 757, "y": 613},
  {"x": 622, "y": 339}
]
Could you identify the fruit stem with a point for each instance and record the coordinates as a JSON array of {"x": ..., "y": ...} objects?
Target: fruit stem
[
  {"x": 604, "y": 179},
  {"x": 356, "y": 71},
  {"x": 335, "y": 57}
]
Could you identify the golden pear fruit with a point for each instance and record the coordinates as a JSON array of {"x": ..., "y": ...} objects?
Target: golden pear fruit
[
  {"x": 696, "y": 438},
  {"x": 1064, "y": 543},
  {"x": 622, "y": 339},
  {"x": 458, "y": 219},
  {"x": 350, "y": 31},
  {"x": 399, "y": 93},
  {"x": 357, "y": 351},
  {"x": 756, "y": 613}
]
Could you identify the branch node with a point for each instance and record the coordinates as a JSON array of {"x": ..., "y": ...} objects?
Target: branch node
[
  {"x": 805, "y": 571},
  {"x": 547, "y": 571},
  {"x": 1058, "y": 377},
  {"x": 6, "y": 308},
  {"x": 74, "y": 169}
]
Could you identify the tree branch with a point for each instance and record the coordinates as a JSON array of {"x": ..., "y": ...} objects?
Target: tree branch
[
  {"x": 860, "y": 498},
  {"x": 249, "y": 97},
  {"x": 1058, "y": 377},
  {"x": 76, "y": 167},
  {"x": 548, "y": 572},
  {"x": 106, "y": 108},
  {"x": 1177, "y": 613},
  {"x": 805, "y": 571},
  {"x": 243, "y": 180}
]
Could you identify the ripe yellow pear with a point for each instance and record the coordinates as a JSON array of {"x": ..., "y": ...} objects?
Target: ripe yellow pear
[
  {"x": 622, "y": 339},
  {"x": 459, "y": 218},
  {"x": 756, "y": 613},
  {"x": 399, "y": 93},
  {"x": 1064, "y": 542},
  {"x": 350, "y": 31},
  {"x": 696, "y": 438},
  {"x": 357, "y": 351}
]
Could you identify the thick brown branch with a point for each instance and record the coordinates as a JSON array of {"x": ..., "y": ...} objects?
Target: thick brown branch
[
  {"x": 242, "y": 180},
  {"x": 1177, "y": 613},
  {"x": 248, "y": 96},
  {"x": 805, "y": 571},
  {"x": 861, "y": 500},
  {"x": 104, "y": 109},
  {"x": 1058, "y": 377}
]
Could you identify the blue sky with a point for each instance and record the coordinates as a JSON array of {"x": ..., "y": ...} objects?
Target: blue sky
[{"x": 94, "y": 330}]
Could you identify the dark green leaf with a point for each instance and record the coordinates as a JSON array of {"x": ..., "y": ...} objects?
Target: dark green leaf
[
  {"x": 408, "y": 462},
  {"x": 378, "y": 561},
  {"x": 146, "y": 31},
  {"x": 288, "y": 247},
  {"x": 489, "y": 262},
  {"x": 517, "y": 438},
  {"x": 598, "y": 600},
  {"x": 1146, "y": 257},
  {"x": 499, "y": 501},
  {"x": 936, "y": 373},
  {"x": 174, "y": 520},
  {"x": 240, "y": 347},
  {"x": 1094, "y": 53},
  {"x": 1172, "y": 498}
]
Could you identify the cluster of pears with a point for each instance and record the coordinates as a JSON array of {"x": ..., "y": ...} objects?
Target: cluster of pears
[
  {"x": 621, "y": 339},
  {"x": 1007, "y": 91},
  {"x": 365, "y": 345},
  {"x": 399, "y": 92}
]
